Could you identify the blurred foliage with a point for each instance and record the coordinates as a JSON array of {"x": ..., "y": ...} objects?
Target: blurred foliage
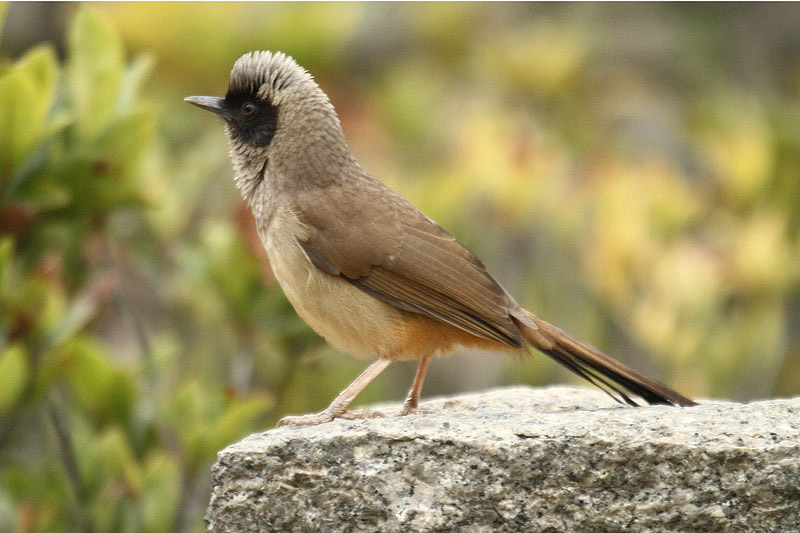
[
  {"x": 93, "y": 438},
  {"x": 630, "y": 173}
]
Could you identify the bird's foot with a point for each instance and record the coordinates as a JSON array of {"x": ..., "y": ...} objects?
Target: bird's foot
[
  {"x": 306, "y": 420},
  {"x": 361, "y": 414},
  {"x": 328, "y": 415},
  {"x": 411, "y": 407}
]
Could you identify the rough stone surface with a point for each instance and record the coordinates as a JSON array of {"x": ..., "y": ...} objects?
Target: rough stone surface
[{"x": 521, "y": 459}]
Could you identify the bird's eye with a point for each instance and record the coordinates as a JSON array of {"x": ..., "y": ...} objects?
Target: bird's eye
[{"x": 248, "y": 108}]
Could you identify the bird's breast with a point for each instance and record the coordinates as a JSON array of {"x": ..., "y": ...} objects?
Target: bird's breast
[{"x": 348, "y": 318}]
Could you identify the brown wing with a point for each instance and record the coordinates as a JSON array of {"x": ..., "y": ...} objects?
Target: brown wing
[{"x": 383, "y": 245}]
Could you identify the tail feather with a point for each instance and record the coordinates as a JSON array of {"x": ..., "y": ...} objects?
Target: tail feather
[{"x": 616, "y": 379}]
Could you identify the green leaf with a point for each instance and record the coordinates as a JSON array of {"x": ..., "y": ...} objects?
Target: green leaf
[
  {"x": 95, "y": 71},
  {"x": 42, "y": 66},
  {"x": 118, "y": 459},
  {"x": 234, "y": 423},
  {"x": 233, "y": 272},
  {"x": 26, "y": 98},
  {"x": 124, "y": 143},
  {"x": 205, "y": 420},
  {"x": 161, "y": 491},
  {"x": 132, "y": 82},
  {"x": 6, "y": 259},
  {"x": 14, "y": 374},
  {"x": 103, "y": 390}
]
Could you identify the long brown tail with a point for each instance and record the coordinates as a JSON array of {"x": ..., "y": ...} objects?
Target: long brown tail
[{"x": 610, "y": 375}]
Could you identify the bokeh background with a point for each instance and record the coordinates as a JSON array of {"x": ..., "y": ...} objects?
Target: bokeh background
[{"x": 629, "y": 172}]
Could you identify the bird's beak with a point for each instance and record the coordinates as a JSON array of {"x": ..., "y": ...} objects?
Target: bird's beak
[{"x": 209, "y": 103}]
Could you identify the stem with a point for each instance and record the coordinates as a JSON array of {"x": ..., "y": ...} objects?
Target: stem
[{"x": 67, "y": 454}]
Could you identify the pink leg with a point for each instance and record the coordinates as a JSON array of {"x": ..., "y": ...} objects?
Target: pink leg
[
  {"x": 338, "y": 407},
  {"x": 412, "y": 400}
]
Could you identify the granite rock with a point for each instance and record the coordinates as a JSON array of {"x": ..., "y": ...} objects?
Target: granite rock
[{"x": 521, "y": 459}]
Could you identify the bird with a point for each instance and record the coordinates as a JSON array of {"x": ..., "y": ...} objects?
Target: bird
[{"x": 364, "y": 268}]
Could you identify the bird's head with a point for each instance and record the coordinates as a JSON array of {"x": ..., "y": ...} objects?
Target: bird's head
[{"x": 277, "y": 120}]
